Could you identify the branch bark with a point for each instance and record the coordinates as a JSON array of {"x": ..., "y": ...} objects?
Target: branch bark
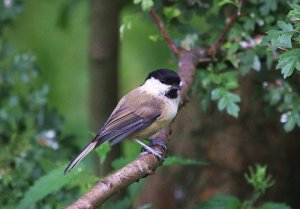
[
  {"x": 164, "y": 32},
  {"x": 147, "y": 164},
  {"x": 144, "y": 165}
]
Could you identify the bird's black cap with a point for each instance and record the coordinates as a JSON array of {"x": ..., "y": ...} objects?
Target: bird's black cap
[{"x": 165, "y": 76}]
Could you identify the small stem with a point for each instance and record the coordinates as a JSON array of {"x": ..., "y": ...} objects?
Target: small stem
[
  {"x": 221, "y": 37},
  {"x": 164, "y": 32},
  {"x": 216, "y": 44},
  {"x": 249, "y": 204}
]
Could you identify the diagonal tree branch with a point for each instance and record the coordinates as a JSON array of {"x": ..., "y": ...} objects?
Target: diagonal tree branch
[{"x": 132, "y": 172}]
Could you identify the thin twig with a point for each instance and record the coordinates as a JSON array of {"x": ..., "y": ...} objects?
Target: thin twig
[
  {"x": 164, "y": 32},
  {"x": 213, "y": 48}
]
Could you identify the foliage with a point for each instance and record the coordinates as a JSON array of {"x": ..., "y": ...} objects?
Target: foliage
[
  {"x": 30, "y": 131},
  {"x": 284, "y": 43},
  {"x": 241, "y": 52},
  {"x": 146, "y": 4},
  {"x": 286, "y": 39},
  {"x": 49, "y": 183},
  {"x": 8, "y": 11},
  {"x": 259, "y": 180}
]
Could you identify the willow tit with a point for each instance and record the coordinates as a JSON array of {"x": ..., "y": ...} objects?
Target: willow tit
[{"x": 139, "y": 114}]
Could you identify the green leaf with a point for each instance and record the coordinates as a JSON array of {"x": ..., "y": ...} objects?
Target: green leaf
[
  {"x": 288, "y": 61},
  {"x": 216, "y": 93},
  {"x": 294, "y": 14},
  {"x": 258, "y": 178},
  {"x": 271, "y": 205},
  {"x": 171, "y": 12},
  {"x": 267, "y": 7},
  {"x": 220, "y": 202},
  {"x": 232, "y": 84},
  {"x": 233, "y": 109},
  {"x": 50, "y": 183},
  {"x": 228, "y": 100},
  {"x": 223, "y": 2},
  {"x": 177, "y": 160},
  {"x": 155, "y": 37},
  {"x": 291, "y": 122},
  {"x": 146, "y": 4},
  {"x": 275, "y": 96},
  {"x": 137, "y": 1},
  {"x": 286, "y": 27},
  {"x": 233, "y": 59},
  {"x": 222, "y": 103},
  {"x": 279, "y": 38},
  {"x": 285, "y": 40}
]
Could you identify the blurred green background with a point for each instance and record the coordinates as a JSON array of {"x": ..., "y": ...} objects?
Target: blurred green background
[
  {"x": 57, "y": 33},
  {"x": 62, "y": 55},
  {"x": 241, "y": 81}
]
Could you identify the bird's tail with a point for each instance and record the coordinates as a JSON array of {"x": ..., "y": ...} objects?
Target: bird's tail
[{"x": 81, "y": 155}]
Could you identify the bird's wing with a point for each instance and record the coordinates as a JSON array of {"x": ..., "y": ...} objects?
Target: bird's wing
[
  {"x": 127, "y": 118},
  {"x": 122, "y": 127}
]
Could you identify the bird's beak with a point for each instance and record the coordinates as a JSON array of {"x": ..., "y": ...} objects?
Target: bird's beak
[{"x": 176, "y": 88}]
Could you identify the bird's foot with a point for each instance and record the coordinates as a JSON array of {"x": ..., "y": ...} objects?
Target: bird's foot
[
  {"x": 156, "y": 153},
  {"x": 148, "y": 149},
  {"x": 159, "y": 142}
]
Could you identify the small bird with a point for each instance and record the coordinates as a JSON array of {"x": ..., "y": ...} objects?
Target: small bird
[{"x": 139, "y": 114}]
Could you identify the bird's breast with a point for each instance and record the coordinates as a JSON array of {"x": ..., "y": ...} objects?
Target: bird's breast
[{"x": 168, "y": 111}]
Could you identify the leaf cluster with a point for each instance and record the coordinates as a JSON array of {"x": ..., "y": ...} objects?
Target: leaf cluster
[
  {"x": 198, "y": 24},
  {"x": 30, "y": 131},
  {"x": 283, "y": 42}
]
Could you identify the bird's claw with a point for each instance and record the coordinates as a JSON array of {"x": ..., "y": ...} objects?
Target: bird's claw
[
  {"x": 156, "y": 153},
  {"x": 159, "y": 142}
]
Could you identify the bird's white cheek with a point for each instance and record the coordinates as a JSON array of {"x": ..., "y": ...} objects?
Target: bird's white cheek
[{"x": 154, "y": 87}]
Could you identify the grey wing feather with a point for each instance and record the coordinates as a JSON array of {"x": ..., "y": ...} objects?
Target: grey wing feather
[
  {"x": 124, "y": 129},
  {"x": 137, "y": 127},
  {"x": 119, "y": 131}
]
